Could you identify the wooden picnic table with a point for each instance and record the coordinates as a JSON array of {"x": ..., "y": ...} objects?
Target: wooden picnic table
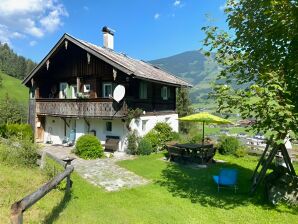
[
  {"x": 204, "y": 152},
  {"x": 192, "y": 146}
]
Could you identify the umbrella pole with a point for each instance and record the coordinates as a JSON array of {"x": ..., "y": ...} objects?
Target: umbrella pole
[{"x": 203, "y": 133}]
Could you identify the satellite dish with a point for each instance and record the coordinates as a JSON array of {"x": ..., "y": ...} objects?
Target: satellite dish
[{"x": 119, "y": 93}]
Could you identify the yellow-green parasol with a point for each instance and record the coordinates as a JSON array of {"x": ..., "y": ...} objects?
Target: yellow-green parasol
[{"x": 205, "y": 118}]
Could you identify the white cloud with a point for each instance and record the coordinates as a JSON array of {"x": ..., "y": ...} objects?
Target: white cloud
[
  {"x": 32, "y": 43},
  {"x": 156, "y": 16},
  {"x": 177, "y": 3},
  {"x": 29, "y": 18}
]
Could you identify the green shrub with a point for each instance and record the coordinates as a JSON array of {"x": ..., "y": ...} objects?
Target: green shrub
[
  {"x": 155, "y": 140},
  {"x": 196, "y": 138},
  {"x": 88, "y": 147},
  {"x": 145, "y": 147},
  {"x": 132, "y": 143},
  {"x": 18, "y": 152},
  {"x": 228, "y": 145},
  {"x": 241, "y": 151},
  {"x": 3, "y": 131},
  {"x": 160, "y": 134},
  {"x": 164, "y": 131},
  {"x": 20, "y": 131}
]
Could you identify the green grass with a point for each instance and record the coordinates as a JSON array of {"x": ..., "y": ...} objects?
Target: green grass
[
  {"x": 17, "y": 182},
  {"x": 13, "y": 88},
  {"x": 175, "y": 194}
]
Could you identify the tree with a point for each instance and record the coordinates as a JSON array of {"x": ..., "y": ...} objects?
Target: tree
[
  {"x": 11, "y": 111},
  {"x": 183, "y": 107},
  {"x": 14, "y": 65},
  {"x": 259, "y": 53}
]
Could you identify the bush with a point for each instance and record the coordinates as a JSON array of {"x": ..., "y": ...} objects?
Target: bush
[
  {"x": 196, "y": 138},
  {"x": 132, "y": 143},
  {"x": 164, "y": 130},
  {"x": 228, "y": 145},
  {"x": 160, "y": 134},
  {"x": 18, "y": 152},
  {"x": 241, "y": 151},
  {"x": 155, "y": 140},
  {"x": 20, "y": 131},
  {"x": 88, "y": 147},
  {"x": 145, "y": 147}
]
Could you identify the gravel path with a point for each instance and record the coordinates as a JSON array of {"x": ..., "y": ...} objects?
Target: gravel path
[{"x": 100, "y": 172}]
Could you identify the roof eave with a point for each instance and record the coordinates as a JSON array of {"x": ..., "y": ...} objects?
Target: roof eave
[{"x": 83, "y": 46}]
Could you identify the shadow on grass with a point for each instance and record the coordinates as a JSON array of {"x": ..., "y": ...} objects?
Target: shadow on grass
[
  {"x": 198, "y": 186},
  {"x": 54, "y": 215}
]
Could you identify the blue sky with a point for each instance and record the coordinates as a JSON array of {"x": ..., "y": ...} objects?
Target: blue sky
[{"x": 145, "y": 29}]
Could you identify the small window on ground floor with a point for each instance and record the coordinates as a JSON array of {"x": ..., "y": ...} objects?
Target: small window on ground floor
[
  {"x": 144, "y": 122},
  {"x": 109, "y": 126}
]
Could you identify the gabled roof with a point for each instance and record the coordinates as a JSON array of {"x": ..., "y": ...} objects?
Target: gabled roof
[{"x": 130, "y": 66}]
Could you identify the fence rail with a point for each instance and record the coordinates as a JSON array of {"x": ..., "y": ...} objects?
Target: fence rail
[{"x": 19, "y": 207}]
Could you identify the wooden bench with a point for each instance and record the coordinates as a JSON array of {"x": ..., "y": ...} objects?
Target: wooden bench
[{"x": 112, "y": 143}]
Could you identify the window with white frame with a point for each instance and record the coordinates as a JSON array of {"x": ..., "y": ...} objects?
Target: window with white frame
[
  {"x": 107, "y": 89},
  {"x": 109, "y": 126},
  {"x": 87, "y": 88},
  {"x": 143, "y": 90},
  {"x": 165, "y": 92}
]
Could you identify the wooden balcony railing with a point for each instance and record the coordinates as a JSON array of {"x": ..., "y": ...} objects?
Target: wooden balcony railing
[{"x": 99, "y": 107}]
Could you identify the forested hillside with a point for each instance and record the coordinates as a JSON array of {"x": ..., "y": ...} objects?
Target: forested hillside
[{"x": 13, "y": 64}]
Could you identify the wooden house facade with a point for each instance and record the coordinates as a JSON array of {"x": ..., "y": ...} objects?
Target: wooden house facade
[{"x": 70, "y": 92}]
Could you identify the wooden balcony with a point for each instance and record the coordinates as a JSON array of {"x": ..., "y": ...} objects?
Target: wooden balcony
[{"x": 99, "y": 107}]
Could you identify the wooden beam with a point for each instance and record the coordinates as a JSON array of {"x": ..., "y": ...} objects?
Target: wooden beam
[{"x": 78, "y": 84}]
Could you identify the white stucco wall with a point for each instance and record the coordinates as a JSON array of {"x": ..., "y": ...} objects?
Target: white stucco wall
[
  {"x": 54, "y": 130},
  {"x": 145, "y": 123}
]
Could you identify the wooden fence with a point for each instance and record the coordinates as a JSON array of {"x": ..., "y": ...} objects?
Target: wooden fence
[{"x": 19, "y": 207}]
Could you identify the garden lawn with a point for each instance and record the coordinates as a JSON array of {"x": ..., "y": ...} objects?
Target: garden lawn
[{"x": 176, "y": 194}]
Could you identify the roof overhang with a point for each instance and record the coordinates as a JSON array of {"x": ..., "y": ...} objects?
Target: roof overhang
[{"x": 95, "y": 53}]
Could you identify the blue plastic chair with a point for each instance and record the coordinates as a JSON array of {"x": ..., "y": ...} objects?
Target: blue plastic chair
[{"x": 226, "y": 178}]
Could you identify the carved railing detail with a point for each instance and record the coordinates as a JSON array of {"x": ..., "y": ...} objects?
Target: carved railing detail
[{"x": 80, "y": 108}]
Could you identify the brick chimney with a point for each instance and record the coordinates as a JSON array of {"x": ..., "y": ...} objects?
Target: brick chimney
[{"x": 108, "y": 37}]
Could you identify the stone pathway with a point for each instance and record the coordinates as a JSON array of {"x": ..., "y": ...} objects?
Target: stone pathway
[{"x": 100, "y": 172}]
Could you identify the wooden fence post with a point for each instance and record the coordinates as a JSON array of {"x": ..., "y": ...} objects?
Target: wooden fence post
[{"x": 16, "y": 216}]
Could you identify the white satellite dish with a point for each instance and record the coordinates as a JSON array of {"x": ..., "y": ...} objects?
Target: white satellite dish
[{"x": 119, "y": 93}]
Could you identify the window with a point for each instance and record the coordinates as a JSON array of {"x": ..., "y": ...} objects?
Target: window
[
  {"x": 165, "y": 92},
  {"x": 87, "y": 88},
  {"x": 107, "y": 90},
  {"x": 63, "y": 90},
  {"x": 144, "y": 122},
  {"x": 143, "y": 90},
  {"x": 109, "y": 126}
]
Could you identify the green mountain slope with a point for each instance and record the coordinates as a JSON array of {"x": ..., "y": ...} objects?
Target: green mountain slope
[
  {"x": 13, "y": 88},
  {"x": 194, "y": 67}
]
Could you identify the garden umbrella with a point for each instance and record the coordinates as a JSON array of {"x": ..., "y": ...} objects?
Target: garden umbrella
[{"x": 205, "y": 118}]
